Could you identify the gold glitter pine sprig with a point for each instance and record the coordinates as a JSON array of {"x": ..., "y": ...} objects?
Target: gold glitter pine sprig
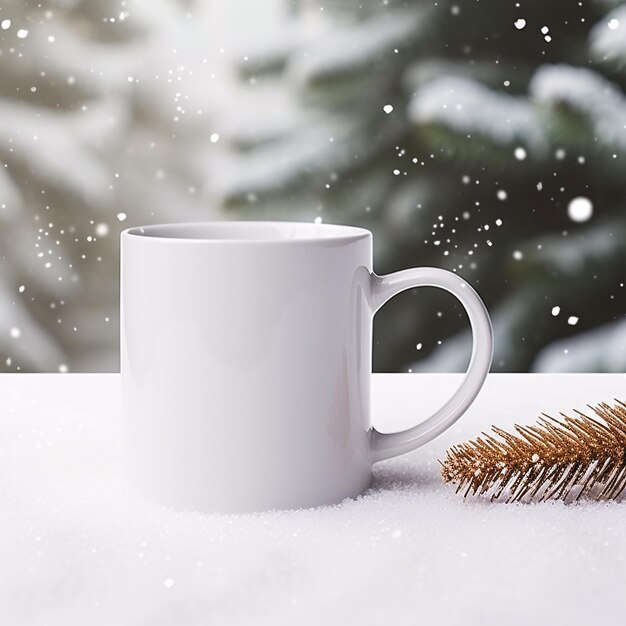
[{"x": 565, "y": 459}]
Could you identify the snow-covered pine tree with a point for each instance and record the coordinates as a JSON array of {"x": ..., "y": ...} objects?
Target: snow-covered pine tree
[
  {"x": 485, "y": 137},
  {"x": 93, "y": 138}
]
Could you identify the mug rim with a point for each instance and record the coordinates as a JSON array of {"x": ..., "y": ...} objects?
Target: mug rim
[{"x": 308, "y": 232}]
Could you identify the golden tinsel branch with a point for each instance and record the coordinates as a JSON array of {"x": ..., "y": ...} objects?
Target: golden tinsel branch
[{"x": 555, "y": 458}]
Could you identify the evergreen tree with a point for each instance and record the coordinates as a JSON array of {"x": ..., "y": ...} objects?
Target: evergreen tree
[
  {"x": 485, "y": 137},
  {"x": 92, "y": 139}
]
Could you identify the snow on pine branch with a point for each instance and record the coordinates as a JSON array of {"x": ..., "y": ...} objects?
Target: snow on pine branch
[
  {"x": 107, "y": 70},
  {"x": 426, "y": 70},
  {"x": 354, "y": 48},
  {"x": 37, "y": 139},
  {"x": 607, "y": 39},
  {"x": 268, "y": 51},
  {"x": 596, "y": 248},
  {"x": 270, "y": 115},
  {"x": 587, "y": 94},
  {"x": 466, "y": 107},
  {"x": 10, "y": 198},
  {"x": 36, "y": 349},
  {"x": 281, "y": 166},
  {"x": 597, "y": 350}
]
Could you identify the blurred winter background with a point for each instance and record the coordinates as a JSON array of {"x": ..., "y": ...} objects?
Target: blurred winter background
[{"x": 487, "y": 137}]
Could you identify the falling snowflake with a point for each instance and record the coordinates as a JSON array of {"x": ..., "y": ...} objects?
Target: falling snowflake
[
  {"x": 580, "y": 209},
  {"x": 520, "y": 153}
]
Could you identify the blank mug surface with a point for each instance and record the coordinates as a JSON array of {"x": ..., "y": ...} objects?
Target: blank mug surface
[{"x": 246, "y": 360}]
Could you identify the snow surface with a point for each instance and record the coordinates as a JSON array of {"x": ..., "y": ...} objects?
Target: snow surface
[{"x": 77, "y": 549}]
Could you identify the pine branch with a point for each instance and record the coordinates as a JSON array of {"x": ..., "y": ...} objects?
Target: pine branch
[{"x": 565, "y": 459}]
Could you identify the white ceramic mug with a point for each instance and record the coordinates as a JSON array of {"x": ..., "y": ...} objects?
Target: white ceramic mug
[{"x": 246, "y": 362}]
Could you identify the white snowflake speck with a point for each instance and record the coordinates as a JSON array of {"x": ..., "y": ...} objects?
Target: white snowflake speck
[
  {"x": 387, "y": 109},
  {"x": 5, "y": 24},
  {"x": 545, "y": 30},
  {"x": 168, "y": 583},
  {"x": 572, "y": 320},
  {"x": 63, "y": 369},
  {"x": 15, "y": 332},
  {"x": 519, "y": 23},
  {"x": 613, "y": 24},
  {"x": 22, "y": 33},
  {"x": 21, "y": 288},
  {"x": 519, "y": 153},
  {"x": 501, "y": 194},
  {"x": 555, "y": 310},
  {"x": 102, "y": 229},
  {"x": 580, "y": 209},
  {"x": 317, "y": 220},
  {"x": 121, "y": 216},
  {"x": 214, "y": 138},
  {"x": 517, "y": 255}
]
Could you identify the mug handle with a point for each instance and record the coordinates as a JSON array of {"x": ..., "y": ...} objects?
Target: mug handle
[{"x": 382, "y": 289}]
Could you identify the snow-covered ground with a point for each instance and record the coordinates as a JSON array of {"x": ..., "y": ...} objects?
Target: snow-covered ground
[{"x": 77, "y": 549}]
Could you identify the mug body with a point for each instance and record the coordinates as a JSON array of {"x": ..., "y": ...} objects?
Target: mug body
[{"x": 246, "y": 360}]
